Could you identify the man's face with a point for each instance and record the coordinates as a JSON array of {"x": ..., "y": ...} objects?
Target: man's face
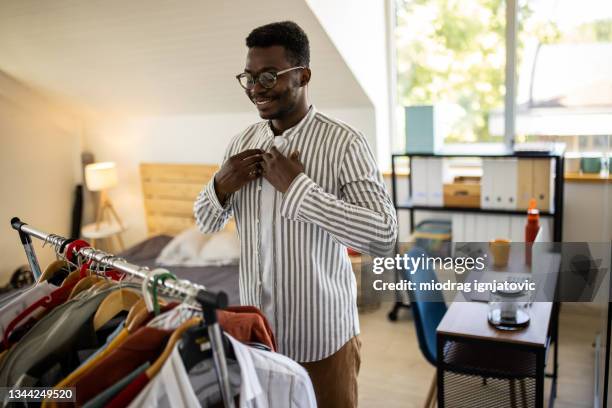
[{"x": 280, "y": 100}]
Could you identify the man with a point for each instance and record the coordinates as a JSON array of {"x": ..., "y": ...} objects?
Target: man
[{"x": 303, "y": 187}]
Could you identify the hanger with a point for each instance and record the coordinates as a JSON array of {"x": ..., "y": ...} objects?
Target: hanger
[
  {"x": 57, "y": 265},
  {"x": 151, "y": 301},
  {"x": 137, "y": 314},
  {"x": 117, "y": 301},
  {"x": 176, "y": 336},
  {"x": 140, "y": 310},
  {"x": 53, "y": 268},
  {"x": 88, "y": 281},
  {"x": 100, "y": 286},
  {"x": 193, "y": 339},
  {"x": 84, "y": 284},
  {"x": 156, "y": 278},
  {"x": 80, "y": 272}
]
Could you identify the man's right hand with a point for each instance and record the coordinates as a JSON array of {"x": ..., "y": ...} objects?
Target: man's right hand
[{"x": 237, "y": 171}]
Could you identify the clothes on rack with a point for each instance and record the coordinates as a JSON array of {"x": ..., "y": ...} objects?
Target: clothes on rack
[
  {"x": 21, "y": 300},
  {"x": 118, "y": 364},
  {"x": 38, "y": 358}
]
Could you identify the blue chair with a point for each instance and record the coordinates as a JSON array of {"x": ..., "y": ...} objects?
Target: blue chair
[{"x": 428, "y": 309}]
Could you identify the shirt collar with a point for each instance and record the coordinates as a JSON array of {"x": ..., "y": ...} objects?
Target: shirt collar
[{"x": 297, "y": 127}]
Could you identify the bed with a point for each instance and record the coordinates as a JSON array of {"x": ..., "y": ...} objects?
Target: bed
[{"x": 169, "y": 191}]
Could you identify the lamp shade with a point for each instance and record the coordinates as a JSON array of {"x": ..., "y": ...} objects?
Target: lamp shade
[{"x": 100, "y": 176}]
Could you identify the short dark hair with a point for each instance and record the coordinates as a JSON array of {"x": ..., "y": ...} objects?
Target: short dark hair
[{"x": 286, "y": 34}]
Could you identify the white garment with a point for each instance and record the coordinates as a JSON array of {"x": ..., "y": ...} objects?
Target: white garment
[
  {"x": 14, "y": 307},
  {"x": 267, "y": 379},
  {"x": 170, "y": 387},
  {"x": 270, "y": 379},
  {"x": 173, "y": 318},
  {"x": 270, "y": 233}
]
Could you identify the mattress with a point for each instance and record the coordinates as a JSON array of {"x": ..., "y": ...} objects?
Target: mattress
[{"x": 214, "y": 278}]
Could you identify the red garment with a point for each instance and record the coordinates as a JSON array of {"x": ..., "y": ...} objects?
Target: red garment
[
  {"x": 131, "y": 391},
  {"x": 247, "y": 324},
  {"x": 145, "y": 344}
]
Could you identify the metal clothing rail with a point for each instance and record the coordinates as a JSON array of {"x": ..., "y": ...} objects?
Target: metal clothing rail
[{"x": 209, "y": 301}]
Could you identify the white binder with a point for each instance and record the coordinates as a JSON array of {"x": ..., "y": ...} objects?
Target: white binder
[
  {"x": 419, "y": 180},
  {"x": 507, "y": 175},
  {"x": 487, "y": 184},
  {"x": 435, "y": 196}
]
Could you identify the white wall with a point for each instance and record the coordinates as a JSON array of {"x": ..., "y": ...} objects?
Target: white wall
[
  {"x": 358, "y": 29},
  {"x": 588, "y": 212},
  {"x": 38, "y": 169},
  {"x": 175, "y": 139}
]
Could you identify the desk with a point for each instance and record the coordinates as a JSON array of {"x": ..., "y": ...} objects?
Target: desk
[
  {"x": 479, "y": 365},
  {"x": 469, "y": 349}
]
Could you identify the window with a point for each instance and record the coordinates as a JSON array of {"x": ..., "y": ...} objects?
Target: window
[
  {"x": 452, "y": 54},
  {"x": 564, "y": 83}
]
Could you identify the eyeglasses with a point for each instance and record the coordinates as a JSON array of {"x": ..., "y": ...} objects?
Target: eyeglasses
[{"x": 266, "y": 79}]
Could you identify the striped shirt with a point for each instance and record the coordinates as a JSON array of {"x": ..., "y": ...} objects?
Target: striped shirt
[{"x": 339, "y": 201}]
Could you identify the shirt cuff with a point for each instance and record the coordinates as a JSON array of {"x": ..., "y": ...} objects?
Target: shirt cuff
[
  {"x": 212, "y": 197},
  {"x": 295, "y": 195}
]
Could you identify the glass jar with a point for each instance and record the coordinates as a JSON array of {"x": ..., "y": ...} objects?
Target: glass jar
[{"x": 509, "y": 309}]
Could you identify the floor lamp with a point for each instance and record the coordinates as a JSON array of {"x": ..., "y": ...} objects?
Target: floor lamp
[{"x": 100, "y": 177}]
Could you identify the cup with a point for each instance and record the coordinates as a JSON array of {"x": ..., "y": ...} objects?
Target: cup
[
  {"x": 500, "y": 249},
  {"x": 590, "y": 164},
  {"x": 572, "y": 164}
]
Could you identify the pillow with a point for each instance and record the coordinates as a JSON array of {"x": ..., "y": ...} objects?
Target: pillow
[
  {"x": 223, "y": 248},
  {"x": 192, "y": 248},
  {"x": 184, "y": 247}
]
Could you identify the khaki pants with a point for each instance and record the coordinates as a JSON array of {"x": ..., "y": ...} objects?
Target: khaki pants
[{"x": 335, "y": 378}]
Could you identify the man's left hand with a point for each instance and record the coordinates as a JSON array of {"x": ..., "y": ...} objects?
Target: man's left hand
[{"x": 280, "y": 170}]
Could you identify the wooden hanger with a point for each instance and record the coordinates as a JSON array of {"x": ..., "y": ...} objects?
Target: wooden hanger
[
  {"x": 138, "y": 314},
  {"x": 84, "y": 284},
  {"x": 52, "y": 269},
  {"x": 72, "y": 278},
  {"x": 117, "y": 301},
  {"x": 134, "y": 312},
  {"x": 176, "y": 335},
  {"x": 100, "y": 286}
]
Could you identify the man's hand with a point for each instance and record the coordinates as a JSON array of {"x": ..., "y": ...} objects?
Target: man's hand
[
  {"x": 279, "y": 170},
  {"x": 236, "y": 172}
]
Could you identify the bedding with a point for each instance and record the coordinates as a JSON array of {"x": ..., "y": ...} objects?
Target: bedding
[
  {"x": 192, "y": 248},
  {"x": 215, "y": 278}
]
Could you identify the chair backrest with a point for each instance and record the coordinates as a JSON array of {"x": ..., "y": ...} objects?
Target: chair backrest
[{"x": 428, "y": 307}]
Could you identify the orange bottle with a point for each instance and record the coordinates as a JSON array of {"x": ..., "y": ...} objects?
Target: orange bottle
[{"x": 531, "y": 229}]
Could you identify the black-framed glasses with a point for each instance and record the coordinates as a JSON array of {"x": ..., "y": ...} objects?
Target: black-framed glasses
[{"x": 266, "y": 79}]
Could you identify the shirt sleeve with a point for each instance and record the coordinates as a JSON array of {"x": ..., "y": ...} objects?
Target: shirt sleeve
[
  {"x": 362, "y": 218},
  {"x": 210, "y": 215}
]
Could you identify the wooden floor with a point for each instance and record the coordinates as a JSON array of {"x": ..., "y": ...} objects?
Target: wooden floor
[{"x": 395, "y": 374}]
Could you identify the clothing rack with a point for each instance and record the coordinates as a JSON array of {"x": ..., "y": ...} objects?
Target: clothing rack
[{"x": 209, "y": 301}]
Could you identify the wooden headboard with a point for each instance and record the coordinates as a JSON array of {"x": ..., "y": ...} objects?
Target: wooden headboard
[{"x": 169, "y": 192}]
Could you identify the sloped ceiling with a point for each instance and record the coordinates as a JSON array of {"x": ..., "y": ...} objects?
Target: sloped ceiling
[{"x": 155, "y": 56}]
